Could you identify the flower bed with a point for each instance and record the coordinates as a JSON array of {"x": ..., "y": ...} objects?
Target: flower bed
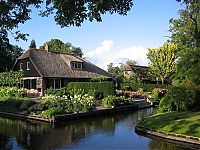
[{"x": 56, "y": 105}]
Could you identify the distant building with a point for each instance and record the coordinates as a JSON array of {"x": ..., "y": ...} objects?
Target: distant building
[
  {"x": 44, "y": 69},
  {"x": 143, "y": 72}
]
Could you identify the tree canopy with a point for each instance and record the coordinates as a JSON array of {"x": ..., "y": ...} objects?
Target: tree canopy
[
  {"x": 186, "y": 34},
  {"x": 131, "y": 62},
  {"x": 8, "y": 56},
  {"x": 33, "y": 44},
  {"x": 186, "y": 29},
  {"x": 162, "y": 60},
  {"x": 59, "y": 46},
  {"x": 65, "y": 13}
]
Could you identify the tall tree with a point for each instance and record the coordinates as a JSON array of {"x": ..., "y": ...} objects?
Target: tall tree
[
  {"x": 186, "y": 34},
  {"x": 115, "y": 71},
  {"x": 33, "y": 44},
  {"x": 8, "y": 56},
  {"x": 186, "y": 30},
  {"x": 162, "y": 60},
  {"x": 59, "y": 46}
]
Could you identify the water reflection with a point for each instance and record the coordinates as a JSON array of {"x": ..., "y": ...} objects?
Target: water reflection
[{"x": 114, "y": 131}]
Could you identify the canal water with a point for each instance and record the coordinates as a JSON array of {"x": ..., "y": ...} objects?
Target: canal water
[{"x": 116, "y": 131}]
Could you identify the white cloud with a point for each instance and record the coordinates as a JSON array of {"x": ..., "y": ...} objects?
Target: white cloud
[{"x": 105, "y": 54}]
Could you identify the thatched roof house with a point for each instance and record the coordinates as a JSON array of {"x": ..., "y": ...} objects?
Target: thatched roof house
[
  {"x": 143, "y": 72},
  {"x": 44, "y": 69}
]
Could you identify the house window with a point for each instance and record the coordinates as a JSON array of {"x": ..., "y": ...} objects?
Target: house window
[
  {"x": 54, "y": 83},
  {"x": 29, "y": 83},
  {"x": 76, "y": 65},
  {"x": 27, "y": 66},
  {"x": 33, "y": 83},
  {"x": 57, "y": 83},
  {"x": 20, "y": 66}
]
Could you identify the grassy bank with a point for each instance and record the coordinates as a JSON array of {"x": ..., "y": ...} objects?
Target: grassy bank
[{"x": 186, "y": 123}]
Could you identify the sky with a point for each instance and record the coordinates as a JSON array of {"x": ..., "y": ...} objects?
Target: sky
[{"x": 114, "y": 40}]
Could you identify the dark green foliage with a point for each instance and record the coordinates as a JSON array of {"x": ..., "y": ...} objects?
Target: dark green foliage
[
  {"x": 107, "y": 88},
  {"x": 10, "y": 105},
  {"x": 188, "y": 68},
  {"x": 8, "y": 55},
  {"x": 145, "y": 87},
  {"x": 57, "y": 45},
  {"x": 15, "y": 105},
  {"x": 33, "y": 44},
  {"x": 186, "y": 34},
  {"x": 180, "y": 98},
  {"x": 26, "y": 103},
  {"x": 98, "y": 95}
]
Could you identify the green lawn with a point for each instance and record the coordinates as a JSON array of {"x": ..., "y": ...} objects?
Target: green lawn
[{"x": 187, "y": 123}]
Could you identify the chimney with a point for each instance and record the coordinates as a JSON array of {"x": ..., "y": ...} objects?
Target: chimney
[{"x": 46, "y": 47}]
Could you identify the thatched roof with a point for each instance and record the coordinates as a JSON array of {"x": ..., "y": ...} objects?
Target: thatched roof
[
  {"x": 54, "y": 64},
  {"x": 143, "y": 72}
]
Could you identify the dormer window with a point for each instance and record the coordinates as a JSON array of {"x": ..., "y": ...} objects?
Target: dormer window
[
  {"x": 20, "y": 66},
  {"x": 76, "y": 65},
  {"x": 27, "y": 66}
]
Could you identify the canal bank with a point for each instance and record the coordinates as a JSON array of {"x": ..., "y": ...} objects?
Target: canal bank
[
  {"x": 99, "y": 111},
  {"x": 178, "y": 127},
  {"x": 187, "y": 141}
]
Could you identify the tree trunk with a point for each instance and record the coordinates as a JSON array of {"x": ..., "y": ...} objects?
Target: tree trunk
[{"x": 162, "y": 81}]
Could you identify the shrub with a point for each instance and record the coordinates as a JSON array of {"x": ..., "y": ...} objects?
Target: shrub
[
  {"x": 11, "y": 92},
  {"x": 15, "y": 105},
  {"x": 180, "y": 98},
  {"x": 107, "y": 88},
  {"x": 113, "y": 101},
  {"x": 98, "y": 95},
  {"x": 145, "y": 87},
  {"x": 99, "y": 79},
  {"x": 59, "y": 92},
  {"x": 157, "y": 94},
  {"x": 51, "y": 112},
  {"x": 26, "y": 103},
  {"x": 10, "y": 105},
  {"x": 109, "y": 101}
]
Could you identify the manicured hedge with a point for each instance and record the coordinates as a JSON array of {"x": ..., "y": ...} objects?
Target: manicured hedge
[
  {"x": 107, "y": 88},
  {"x": 145, "y": 87}
]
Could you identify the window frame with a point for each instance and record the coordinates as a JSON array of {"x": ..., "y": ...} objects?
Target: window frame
[
  {"x": 20, "y": 66},
  {"x": 28, "y": 65},
  {"x": 76, "y": 65}
]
